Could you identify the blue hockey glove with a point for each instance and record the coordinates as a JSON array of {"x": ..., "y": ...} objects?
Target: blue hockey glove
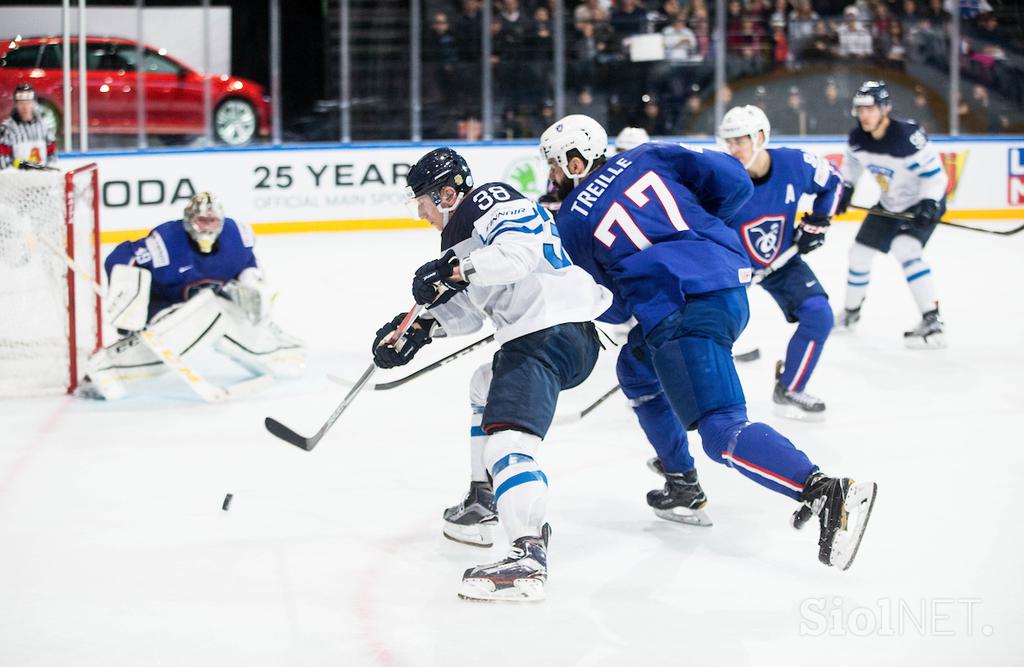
[
  {"x": 416, "y": 336},
  {"x": 432, "y": 284},
  {"x": 926, "y": 214},
  {"x": 811, "y": 233}
]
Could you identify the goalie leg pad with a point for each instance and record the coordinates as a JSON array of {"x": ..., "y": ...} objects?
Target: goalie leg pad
[
  {"x": 263, "y": 349},
  {"x": 185, "y": 328},
  {"x": 127, "y": 303}
]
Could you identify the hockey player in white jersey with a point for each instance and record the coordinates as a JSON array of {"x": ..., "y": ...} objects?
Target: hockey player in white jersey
[
  {"x": 908, "y": 170},
  {"x": 501, "y": 259}
]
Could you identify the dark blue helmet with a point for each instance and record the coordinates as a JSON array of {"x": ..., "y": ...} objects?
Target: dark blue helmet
[
  {"x": 871, "y": 93},
  {"x": 436, "y": 169}
]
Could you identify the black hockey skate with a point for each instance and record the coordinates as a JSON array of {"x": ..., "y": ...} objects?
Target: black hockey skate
[
  {"x": 472, "y": 521},
  {"x": 520, "y": 577},
  {"x": 682, "y": 500},
  {"x": 928, "y": 334},
  {"x": 843, "y": 508},
  {"x": 795, "y": 404},
  {"x": 846, "y": 321}
]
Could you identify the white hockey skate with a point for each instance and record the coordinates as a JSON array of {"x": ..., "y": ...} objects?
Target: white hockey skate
[
  {"x": 928, "y": 334},
  {"x": 472, "y": 521},
  {"x": 519, "y": 577},
  {"x": 843, "y": 508},
  {"x": 846, "y": 321},
  {"x": 682, "y": 500}
]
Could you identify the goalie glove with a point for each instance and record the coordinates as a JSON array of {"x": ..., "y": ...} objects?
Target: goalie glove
[
  {"x": 127, "y": 305},
  {"x": 253, "y": 295},
  {"x": 811, "y": 233},
  {"x": 432, "y": 284},
  {"x": 402, "y": 352}
]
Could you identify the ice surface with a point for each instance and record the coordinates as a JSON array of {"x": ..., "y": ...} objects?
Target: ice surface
[{"x": 114, "y": 549}]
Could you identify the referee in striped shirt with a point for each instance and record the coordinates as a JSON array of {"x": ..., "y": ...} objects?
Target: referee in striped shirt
[{"x": 24, "y": 136}]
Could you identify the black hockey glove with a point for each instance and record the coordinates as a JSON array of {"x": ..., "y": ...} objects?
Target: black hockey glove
[
  {"x": 844, "y": 201},
  {"x": 550, "y": 202},
  {"x": 432, "y": 285},
  {"x": 811, "y": 233},
  {"x": 416, "y": 336},
  {"x": 927, "y": 213}
]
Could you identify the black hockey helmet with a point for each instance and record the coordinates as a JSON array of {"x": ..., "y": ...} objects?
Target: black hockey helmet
[
  {"x": 23, "y": 92},
  {"x": 436, "y": 169},
  {"x": 871, "y": 93}
]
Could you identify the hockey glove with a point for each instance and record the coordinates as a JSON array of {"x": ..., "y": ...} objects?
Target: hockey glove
[
  {"x": 433, "y": 285},
  {"x": 399, "y": 354},
  {"x": 844, "y": 201},
  {"x": 811, "y": 233},
  {"x": 927, "y": 213}
]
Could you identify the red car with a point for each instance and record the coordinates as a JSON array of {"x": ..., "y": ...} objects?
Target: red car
[{"x": 174, "y": 92}]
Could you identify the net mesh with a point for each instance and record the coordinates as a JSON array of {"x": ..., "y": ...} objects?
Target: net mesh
[{"x": 35, "y": 316}]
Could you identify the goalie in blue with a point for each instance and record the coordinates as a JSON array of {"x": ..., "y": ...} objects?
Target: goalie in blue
[
  {"x": 648, "y": 225},
  {"x": 766, "y": 225},
  {"x": 194, "y": 283}
]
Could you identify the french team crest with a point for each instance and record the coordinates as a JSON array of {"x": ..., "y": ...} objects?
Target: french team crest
[{"x": 763, "y": 237}]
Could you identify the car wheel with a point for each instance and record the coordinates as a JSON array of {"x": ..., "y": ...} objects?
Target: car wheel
[
  {"x": 51, "y": 118},
  {"x": 234, "y": 121}
]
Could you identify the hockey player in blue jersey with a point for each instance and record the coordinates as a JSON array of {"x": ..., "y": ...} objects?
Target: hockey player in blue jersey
[
  {"x": 501, "y": 260},
  {"x": 194, "y": 283},
  {"x": 647, "y": 224},
  {"x": 909, "y": 172},
  {"x": 767, "y": 227}
]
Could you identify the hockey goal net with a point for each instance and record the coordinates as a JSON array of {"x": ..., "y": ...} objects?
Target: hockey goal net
[{"x": 49, "y": 321}]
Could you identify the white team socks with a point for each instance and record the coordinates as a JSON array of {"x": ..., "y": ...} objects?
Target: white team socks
[
  {"x": 520, "y": 486},
  {"x": 477, "y": 443},
  {"x": 859, "y": 274},
  {"x": 918, "y": 273}
]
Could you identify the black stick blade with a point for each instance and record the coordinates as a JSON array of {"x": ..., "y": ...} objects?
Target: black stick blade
[
  {"x": 281, "y": 431},
  {"x": 753, "y": 355}
]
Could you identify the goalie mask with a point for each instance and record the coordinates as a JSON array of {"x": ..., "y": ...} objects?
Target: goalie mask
[
  {"x": 440, "y": 168},
  {"x": 204, "y": 220},
  {"x": 745, "y": 121}
]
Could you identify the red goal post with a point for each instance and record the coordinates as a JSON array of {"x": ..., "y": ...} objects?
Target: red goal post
[{"x": 51, "y": 321}]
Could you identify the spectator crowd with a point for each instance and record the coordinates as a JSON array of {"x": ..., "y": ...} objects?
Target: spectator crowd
[{"x": 650, "y": 63}]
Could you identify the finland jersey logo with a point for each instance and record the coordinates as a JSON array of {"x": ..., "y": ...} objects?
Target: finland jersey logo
[{"x": 763, "y": 237}]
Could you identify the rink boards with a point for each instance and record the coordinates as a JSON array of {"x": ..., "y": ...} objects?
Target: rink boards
[{"x": 360, "y": 187}]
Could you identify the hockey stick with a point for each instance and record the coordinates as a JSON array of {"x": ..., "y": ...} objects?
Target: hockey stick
[
  {"x": 281, "y": 431},
  {"x": 426, "y": 369},
  {"x": 206, "y": 390},
  {"x": 907, "y": 217},
  {"x": 573, "y": 417},
  {"x": 779, "y": 262}
]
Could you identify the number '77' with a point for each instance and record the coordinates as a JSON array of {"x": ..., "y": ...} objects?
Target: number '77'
[{"x": 637, "y": 194}]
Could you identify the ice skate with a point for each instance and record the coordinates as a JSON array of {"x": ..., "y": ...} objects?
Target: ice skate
[
  {"x": 682, "y": 500},
  {"x": 520, "y": 577},
  {"x": 472, "y": 521},
  {"x": 928, "y": 334},
  {"x": 795, "y": 404},
  {"x": 846, "y": 321},
  {"x": 843, "y": 508}
]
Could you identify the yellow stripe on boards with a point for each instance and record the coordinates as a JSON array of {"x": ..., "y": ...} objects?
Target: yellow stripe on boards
[{"x": 117, "y": 236}]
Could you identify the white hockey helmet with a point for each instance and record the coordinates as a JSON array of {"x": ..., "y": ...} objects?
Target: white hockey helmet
[
  {"x": 746, "y": 121},
  {"x": 204, "y": 220},
  {"x": 575, "y": 132},
  {"x": 630, "y": 138}
]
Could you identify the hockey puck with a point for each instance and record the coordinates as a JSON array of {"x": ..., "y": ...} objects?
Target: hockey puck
[{"x": 227, "y": 502}]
